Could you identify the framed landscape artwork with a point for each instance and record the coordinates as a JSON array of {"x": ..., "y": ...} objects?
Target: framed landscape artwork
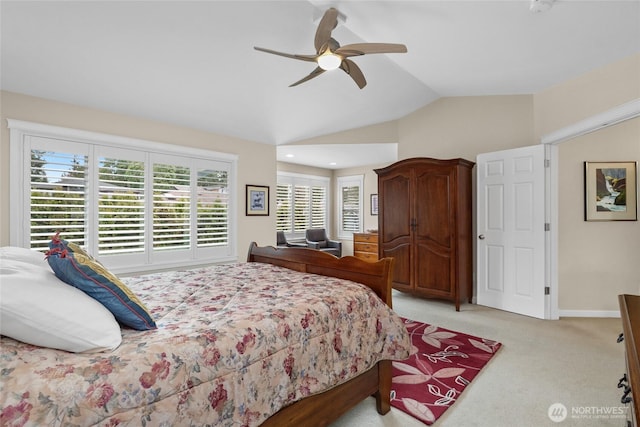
[
  {"x": 257, "y": 200},
  {"x": 610, "y": 191}
]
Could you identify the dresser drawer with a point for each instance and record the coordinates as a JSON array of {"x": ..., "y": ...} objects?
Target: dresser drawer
[
  {"x": 367, "y": 256},
  {"x": 365, "y": 237},
  {"x": 365, "y": 247}
]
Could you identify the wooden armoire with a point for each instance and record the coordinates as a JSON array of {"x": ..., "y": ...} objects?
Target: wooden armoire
[{"x": 425, "y": 223}]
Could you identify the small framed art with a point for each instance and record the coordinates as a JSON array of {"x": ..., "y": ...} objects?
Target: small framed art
[
  {"x": 257, "y": 200},
  {"x": 374, "y": 204},
  {"x": 610, "y": 191}
]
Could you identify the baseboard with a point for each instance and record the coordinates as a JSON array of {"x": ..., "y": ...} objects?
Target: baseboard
[
  {"x": 581, "y": 313},
  {"x": 589, "y": 313}
]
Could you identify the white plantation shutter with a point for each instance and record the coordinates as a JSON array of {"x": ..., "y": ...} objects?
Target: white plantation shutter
[
  {"x": 212, "y": 208},
  {"x": 121, "y": 206},
  {"x": 301, "y": 208},
  {"x": 350, "y": 190},
  {"x": 351, "y": 208},
  {"x": 284, "y": 203},
  {"x": 302, "y": 203},
  {"x": 171, "y": 207},
  {"x": 57, "y": 183},
  {"x": 318, "y": 207},
  {"x": 135, "y": 208}
]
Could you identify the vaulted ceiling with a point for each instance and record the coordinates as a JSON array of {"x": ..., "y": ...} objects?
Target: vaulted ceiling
[{"x": 193, "y": 63}]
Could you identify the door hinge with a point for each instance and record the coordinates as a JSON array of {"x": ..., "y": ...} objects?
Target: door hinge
[
  {"x": 547, "y": 163},
  {"x": 547, "y": 226},
  {"x": 547, "y": 290}
]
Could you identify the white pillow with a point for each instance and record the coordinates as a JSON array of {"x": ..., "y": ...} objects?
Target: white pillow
[{"x": 38, "y": 308}]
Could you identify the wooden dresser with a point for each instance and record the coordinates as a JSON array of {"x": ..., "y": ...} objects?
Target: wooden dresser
[
  {"x": 630, "y": 382},
  {"x": 365, "y": 246}
]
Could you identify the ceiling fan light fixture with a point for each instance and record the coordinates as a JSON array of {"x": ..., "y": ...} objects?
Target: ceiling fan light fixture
[
  {"x": 329, "y": 61},
  {"x": 330, "y": 55}
]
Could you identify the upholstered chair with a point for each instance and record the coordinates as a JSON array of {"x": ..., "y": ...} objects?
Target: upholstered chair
[
  {"x": 317, "y": 239},
  {"x": 282, "y": 242}
]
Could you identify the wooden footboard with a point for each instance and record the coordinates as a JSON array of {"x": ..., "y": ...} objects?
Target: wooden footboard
[
  {"x": 376, "y": 275},
  {"x": 323, "y": 408}
]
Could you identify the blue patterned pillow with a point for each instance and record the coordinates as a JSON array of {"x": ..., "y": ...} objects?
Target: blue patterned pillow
[
  {"x": 91, "y": 277},
  {"x": 61, "y": 244}
]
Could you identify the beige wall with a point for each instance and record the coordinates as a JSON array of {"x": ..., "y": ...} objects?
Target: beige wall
[
  {"x": 467, "y": 126},
  {"x": 597, "y": 260},
  {"x": 587, "y": 95},
  {"x": 252, "y": 167}
]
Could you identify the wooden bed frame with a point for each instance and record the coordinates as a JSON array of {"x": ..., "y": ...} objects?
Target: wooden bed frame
[{"x": 321, "y": 409}]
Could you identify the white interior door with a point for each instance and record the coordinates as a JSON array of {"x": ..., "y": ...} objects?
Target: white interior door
[{"x": 511, "y": 230}]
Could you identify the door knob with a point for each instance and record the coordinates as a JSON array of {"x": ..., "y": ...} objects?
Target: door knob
[{"x": 481, "y": 237}]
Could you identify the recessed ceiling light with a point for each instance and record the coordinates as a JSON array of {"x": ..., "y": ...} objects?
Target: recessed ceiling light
[
  {"x": 289, "y": 155},
  {"x": 538, "y": 6},
  {"x": 332, "y": 164}
]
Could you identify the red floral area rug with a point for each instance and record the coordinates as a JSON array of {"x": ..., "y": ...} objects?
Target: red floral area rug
[{"x": 442, "y": 364}]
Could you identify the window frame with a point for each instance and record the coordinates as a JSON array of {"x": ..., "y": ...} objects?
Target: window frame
[
  {"x": 344, "y": 181},
  {"x": 21, "y": 133},
  {"x": 294, "y": 179}
]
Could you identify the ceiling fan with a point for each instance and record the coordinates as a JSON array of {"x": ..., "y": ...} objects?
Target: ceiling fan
[{"x": 330, "y": 55}]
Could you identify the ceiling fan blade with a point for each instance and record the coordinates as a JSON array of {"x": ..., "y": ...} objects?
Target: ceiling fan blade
[
  {"x": 310, "y": 58},
  {"x": 314, "y": 73},
  {"x": 357, "y": 49},
  {"x": 354, "y": 71},
  {"x": 326, "y": 25}
]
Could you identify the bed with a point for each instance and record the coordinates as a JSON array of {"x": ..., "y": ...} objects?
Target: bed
[{"x": 289, "y": 338}]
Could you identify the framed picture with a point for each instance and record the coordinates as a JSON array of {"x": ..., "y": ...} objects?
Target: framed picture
[
  {"x": 610, "y": 191},
  {"x": 257, "y": 200},
  {"x": 374, "y": 204}
]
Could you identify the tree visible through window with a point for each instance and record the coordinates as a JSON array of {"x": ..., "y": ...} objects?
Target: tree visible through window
[
  {"x": 121, "y": 206},
  {"x": 125, "y": 204},
  {"x": 57, "y": 194}
]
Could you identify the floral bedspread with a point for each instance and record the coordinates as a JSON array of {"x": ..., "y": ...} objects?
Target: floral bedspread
[{"x": 234, "y": 344}]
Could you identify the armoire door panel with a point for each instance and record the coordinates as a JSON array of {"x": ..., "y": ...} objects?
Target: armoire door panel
[
  {"x": 434, "y": 214},
  {"x": 397, "y": 213},
  {"x": 434, "y": 272},
  {"x": 402, "y": 265}
]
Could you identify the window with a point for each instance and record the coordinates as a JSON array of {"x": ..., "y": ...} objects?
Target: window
[
  {"x": 350, "y": 189},
  {"x": 134, "y": 208},
  {"x": 121, "y": 206},
  {"x": 302, "y": 202}
]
